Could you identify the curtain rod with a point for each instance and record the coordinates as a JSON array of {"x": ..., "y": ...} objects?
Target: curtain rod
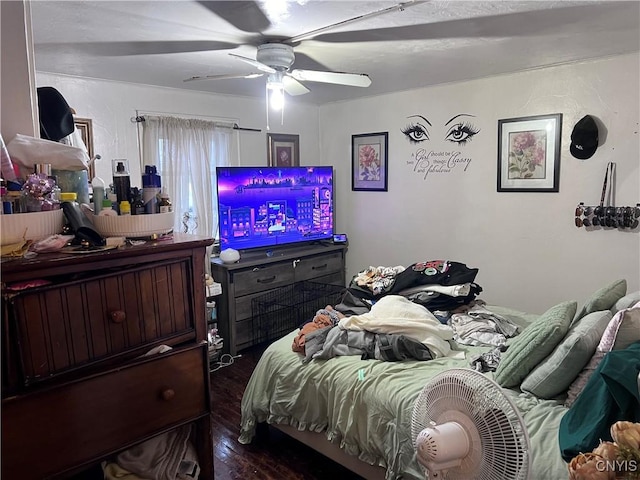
[{"x": 234, "y": 126}]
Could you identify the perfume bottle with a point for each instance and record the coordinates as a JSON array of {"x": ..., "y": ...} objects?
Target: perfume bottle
[{"x": 121, "y": 181}]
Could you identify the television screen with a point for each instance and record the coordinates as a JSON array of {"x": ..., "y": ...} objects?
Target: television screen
[{"x": 268, "y": 206}]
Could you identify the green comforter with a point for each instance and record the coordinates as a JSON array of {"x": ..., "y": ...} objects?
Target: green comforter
[{"x": 365, "y": 406}]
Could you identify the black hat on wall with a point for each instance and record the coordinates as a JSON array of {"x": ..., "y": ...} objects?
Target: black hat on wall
[
  {"x": 584, "y": 138},
  {"x": 56, "y": 117}
]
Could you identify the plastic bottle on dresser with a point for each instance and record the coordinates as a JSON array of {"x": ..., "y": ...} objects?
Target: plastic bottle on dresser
[
  {"x": 69, "y": 197},
  {"x": 98, "y": 194},
  {"x": 113, "y": 198},
  {"x": 55, "y": 196},
  {"x": 7, "y": 207},
  {"x": 107, "y": 208},
  {"x": 137, "y": 205},
  {"x": 121, "y": 181},
  {"x": 151, "y": 185},
  {"x": 125, "y": 208},
  {"x": 165, "y": 203}
]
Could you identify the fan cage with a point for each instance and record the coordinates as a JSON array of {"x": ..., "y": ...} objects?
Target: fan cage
[{"x": 503, "y": 450}]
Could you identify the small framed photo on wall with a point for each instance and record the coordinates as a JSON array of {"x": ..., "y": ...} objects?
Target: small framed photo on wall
[
  {"x": 283, "y": 150},
  {"x": 85, "y": 127},
  {"x": 369, "y": 161},
  {"x": 529, "y": 153}
]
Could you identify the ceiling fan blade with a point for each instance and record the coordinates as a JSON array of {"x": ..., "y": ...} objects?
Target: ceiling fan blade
[
  {"x": 305, "y": 62},
  {"x": 399, "y": 7},
  {"x": 339, "y": 78},
  {"x": 121, "y": 49},
  {"x": 245, "y": 16},
  {"x": 260, "y": 66},
  {"x": 222, "y": 77},
  {"x": 518, "y": 24},
  {"x": 293, "y": 86}
]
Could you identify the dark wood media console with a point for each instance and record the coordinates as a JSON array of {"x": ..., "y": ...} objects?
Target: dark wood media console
[{"x": 257, "y": 273}]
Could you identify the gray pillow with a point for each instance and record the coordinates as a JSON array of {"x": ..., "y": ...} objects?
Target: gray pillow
[
  {"x": 628, "y": 331},
  {"x": 603, "y": 299},
  {"x": 534, "y": 344},
  {"x": 554, "y": 374},
  {"x": 628, "y": 301}
]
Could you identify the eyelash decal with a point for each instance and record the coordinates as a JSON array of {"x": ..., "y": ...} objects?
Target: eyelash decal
[
  {"x": 461, "y": 133},
  {"x": 415, "y": 133}
]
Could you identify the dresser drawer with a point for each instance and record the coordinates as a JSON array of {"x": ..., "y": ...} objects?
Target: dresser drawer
[
  {"x": 312, "y": 267},
  {"x": 260, "y": 279},
  {"x": 53, "y": 430},
  {"x": 68, "y": 325}
]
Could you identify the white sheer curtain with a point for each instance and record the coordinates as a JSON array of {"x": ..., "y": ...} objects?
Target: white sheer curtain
[{"x": 186, "y": 153}]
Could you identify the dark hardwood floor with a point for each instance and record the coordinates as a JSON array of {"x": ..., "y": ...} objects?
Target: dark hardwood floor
[{"x": 272, "y": 454}]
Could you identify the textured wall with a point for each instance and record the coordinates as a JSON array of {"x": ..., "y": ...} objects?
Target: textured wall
[
  {"x": 111, "y": 105},
  {"x": 528, "y": 250}
]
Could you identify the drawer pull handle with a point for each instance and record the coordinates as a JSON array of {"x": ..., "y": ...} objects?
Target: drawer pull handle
[
  {"x": 320, "y": 267},
  {"x": 167, "y": 394},
  {"x": 117, "y": 316},
  {"x": 266, "y": 280}
]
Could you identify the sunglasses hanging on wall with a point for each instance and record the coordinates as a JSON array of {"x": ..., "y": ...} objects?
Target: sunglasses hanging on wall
[{"x": 607, "y": 216}]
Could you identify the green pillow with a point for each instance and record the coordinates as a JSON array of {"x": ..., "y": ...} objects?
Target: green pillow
[
  {"x": 603, "y": 299},
  {"x": 534, "y": 344},
  {"x": 554, "y": 374}
]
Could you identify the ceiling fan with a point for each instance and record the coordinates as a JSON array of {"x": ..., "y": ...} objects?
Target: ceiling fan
[{"x": 276, "y": 57}]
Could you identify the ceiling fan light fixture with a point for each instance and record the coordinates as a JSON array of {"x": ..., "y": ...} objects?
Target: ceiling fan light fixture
[
  {"x": 275, "y": 96},
  {"x": 275, "y": 91},
  {"x": 276, "y": 99}
]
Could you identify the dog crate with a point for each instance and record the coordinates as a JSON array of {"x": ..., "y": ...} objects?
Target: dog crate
[{"x": 282, "y": 310}]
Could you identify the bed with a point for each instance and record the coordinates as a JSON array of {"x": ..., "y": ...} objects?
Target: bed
[{"x": 358, "y": 412}]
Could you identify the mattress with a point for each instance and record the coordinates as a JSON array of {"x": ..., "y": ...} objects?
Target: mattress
[{"x": 365, "y": 406}]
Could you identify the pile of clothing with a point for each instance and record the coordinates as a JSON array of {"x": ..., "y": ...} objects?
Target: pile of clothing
[{"x": 398, "y": 313}]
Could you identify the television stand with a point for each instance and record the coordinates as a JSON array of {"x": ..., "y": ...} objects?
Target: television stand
[{"x": 257, "y": 273}]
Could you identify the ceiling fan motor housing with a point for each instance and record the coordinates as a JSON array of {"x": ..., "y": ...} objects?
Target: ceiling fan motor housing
[{"x": 276, "y": 55}]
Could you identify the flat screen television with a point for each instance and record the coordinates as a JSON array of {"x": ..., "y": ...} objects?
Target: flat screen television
[{"x": 269, "y": 206}]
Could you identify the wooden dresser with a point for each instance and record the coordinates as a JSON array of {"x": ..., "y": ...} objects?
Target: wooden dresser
[
  {"x": 76, "y": 386},
  {"x": 257, "y": 274}
]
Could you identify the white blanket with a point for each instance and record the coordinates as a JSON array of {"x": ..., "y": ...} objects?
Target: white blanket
[{"x": 397, "y": 315}]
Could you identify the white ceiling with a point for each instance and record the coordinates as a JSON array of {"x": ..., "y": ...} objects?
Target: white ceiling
[{"x": 426, "y": 43}]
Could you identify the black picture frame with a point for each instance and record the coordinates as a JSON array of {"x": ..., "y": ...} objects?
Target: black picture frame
[
  {"x": 283, "y": 150},
  {"x": 370, "y": 162},
  {"x": 529, "y": 153}
]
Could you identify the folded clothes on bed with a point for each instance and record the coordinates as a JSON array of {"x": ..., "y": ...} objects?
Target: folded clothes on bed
[
  {"x": 330, "y": 342},
  {"x": 395, "y": 314},
  {"x": 481, "y": 326}
]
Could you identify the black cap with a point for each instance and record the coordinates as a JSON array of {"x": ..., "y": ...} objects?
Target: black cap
[
  {"x": 584, "y": 138},
  {"x": 56, "y": 118}
]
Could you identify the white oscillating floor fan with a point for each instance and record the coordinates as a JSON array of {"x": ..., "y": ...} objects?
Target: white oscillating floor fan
[{"x": 464, "y": 427}]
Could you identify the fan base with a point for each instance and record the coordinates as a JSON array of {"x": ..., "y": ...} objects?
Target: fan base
[{"x": 276, "y": 55}]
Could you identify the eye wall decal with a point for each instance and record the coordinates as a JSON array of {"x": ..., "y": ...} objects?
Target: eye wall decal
[
  {"x": 458, "y": 129},
  {"x": 438, "y": 145},
  {"x": 462, "y": 130},
  {"x": 416, "y": 131}
]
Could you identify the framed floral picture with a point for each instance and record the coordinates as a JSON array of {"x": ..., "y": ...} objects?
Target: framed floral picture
[
  {"x": 369, "y": 161},
  {"x": 529, "y": 153},
  {"x": 283, "y": 150}
]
